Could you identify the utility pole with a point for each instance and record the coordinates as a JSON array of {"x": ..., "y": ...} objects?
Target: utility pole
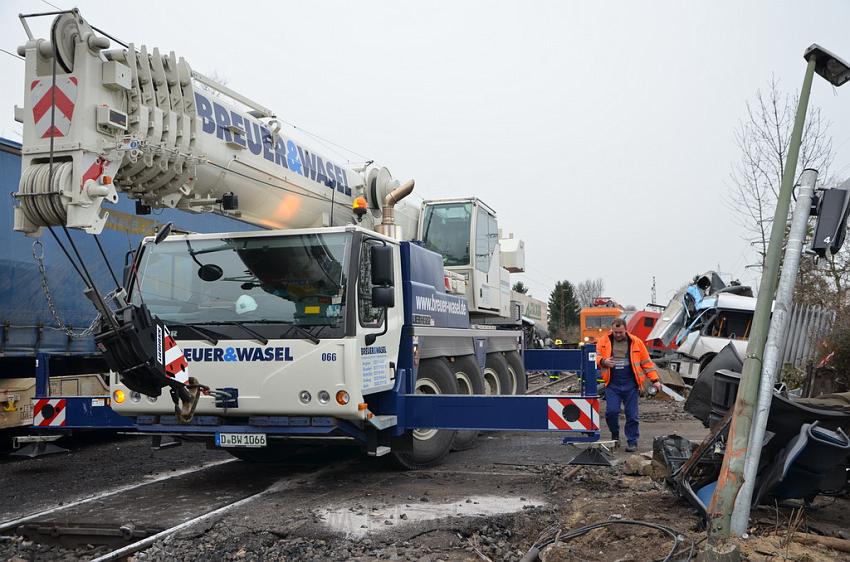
[
  {"x": 652, "y": 294},
  {"x": 732, "y": 470}
]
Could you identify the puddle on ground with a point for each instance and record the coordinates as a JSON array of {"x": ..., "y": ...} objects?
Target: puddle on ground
[{"x": 360, "y": 520}]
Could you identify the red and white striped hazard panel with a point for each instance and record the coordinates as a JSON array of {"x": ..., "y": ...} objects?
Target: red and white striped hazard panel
[
  {"x": 573, "y": 414},
  {"x": 45, "y": 96},
  {"x": 49, "y": 412},
  {"x": 170, "y": 355}
]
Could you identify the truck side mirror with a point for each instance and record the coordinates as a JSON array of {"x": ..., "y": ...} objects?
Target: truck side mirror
[
  {"x": 832, "y": 221},
  {"x": 383, "y": 293},
  {"x": 162, "y": 233},
  {"x": 383, "y": 297},
  {"x": 382, "y": 266}
]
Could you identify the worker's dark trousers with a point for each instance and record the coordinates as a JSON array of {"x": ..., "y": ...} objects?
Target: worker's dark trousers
[{"x": 622, "y": 389}]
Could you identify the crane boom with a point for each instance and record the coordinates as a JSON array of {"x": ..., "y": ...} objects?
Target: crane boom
[{"x": 133, "y": 120}]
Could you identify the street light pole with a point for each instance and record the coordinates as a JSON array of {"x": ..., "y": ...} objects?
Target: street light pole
[
  {"x": 731, "y": 475},
  {"x": 732, "y": 470},
  {"x": 772, "y": 353}
]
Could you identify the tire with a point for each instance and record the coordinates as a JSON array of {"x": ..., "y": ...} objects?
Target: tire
[
  {"x": 517, "y": 372},
  {"x": 469, "y": 381},
  {"x": 269, "y": 454},
  {"x": 497, "y": 379},
  {"x": 428, "y": 447}
]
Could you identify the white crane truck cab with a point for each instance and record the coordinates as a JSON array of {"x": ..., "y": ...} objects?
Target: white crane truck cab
[{"x": 280, "y": 318}]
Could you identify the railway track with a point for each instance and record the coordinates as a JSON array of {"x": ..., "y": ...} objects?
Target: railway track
[
  {"x": 565, "y": 379},
  {"x": 117, "y": 523}
]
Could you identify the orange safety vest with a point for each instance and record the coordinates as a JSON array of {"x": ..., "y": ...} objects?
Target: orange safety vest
[{"x": 642, "y": 365}]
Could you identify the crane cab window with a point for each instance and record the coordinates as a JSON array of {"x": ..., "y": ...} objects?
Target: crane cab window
[
  {"x": 486, "y": 239},
  {"x": 446, "y": 230},
  {"x": 369, "y": 315}
]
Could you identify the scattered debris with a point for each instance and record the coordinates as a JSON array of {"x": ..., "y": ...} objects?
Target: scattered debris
[{"x": 635, "y": 465}]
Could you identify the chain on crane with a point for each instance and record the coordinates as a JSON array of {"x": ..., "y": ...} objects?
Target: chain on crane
[{"x": 38, "y": 254}]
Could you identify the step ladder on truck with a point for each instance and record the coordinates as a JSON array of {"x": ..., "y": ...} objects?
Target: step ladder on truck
[{"x": 351, "y": 314}]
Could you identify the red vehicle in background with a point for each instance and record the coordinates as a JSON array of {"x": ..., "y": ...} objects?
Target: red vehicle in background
[{"x": 640, "y": 323}]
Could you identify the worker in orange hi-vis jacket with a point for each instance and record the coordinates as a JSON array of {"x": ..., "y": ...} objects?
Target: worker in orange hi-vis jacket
[{"x": 625, "y": 365}]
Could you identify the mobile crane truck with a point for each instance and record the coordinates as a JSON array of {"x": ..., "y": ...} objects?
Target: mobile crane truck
[{"x": 331, "y": 323}]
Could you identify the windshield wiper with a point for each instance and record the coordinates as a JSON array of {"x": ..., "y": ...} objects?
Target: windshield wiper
[
  {"x": 292, "y": 326},
  {"x": 255, "y": 334},
  {"x": 303, "y": 331},
  {"x": 204, "y": 333}
]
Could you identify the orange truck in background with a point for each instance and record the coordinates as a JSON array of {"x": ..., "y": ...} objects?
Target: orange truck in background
[{"x": 595, "y": 320}]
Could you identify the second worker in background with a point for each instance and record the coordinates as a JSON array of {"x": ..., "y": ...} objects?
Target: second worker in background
[{"x": 625, "y": 365}]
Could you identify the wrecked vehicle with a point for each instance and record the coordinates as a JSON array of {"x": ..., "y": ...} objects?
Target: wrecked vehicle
[
  {"x": 707, "y": 315},
  {"x": 702, "y": 318},
  {"x": 806, "y": 451}
]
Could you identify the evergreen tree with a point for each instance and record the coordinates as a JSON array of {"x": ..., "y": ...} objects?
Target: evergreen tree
[
  {"x": 563, "y": 309},
  {"x": 520, "y": 287}
]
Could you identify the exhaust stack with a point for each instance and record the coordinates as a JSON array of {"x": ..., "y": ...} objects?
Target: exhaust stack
[{"x": 388, "y": 227}]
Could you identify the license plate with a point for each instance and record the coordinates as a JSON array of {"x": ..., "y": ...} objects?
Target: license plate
[{"x": 240, "y": 439}]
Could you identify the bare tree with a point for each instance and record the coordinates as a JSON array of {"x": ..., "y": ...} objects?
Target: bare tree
[
  {"x": 763, "y": 137},
  {"x": 588, "y": 290},
  {"x": 825, "y": 282}
]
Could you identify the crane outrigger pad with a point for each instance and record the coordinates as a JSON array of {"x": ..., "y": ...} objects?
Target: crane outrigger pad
[{"x": 592, "y": 454}]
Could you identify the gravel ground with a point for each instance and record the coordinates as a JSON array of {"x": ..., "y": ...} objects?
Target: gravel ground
[{"x": 491, "y": 502}]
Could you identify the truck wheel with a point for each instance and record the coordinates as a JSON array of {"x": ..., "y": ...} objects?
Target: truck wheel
[
  {"x": 497, "y": 379},
  {"x": 429, "y": 446},
  {"x": 469, "y": 381},
  {"x": 517, "y": 371}
]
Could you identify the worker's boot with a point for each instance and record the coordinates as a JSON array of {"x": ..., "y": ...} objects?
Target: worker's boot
[
  {"x": 615, "y": 437},
  {"x": 631, "y": 447}
]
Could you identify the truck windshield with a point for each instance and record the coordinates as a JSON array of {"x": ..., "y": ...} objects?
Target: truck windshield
[
  {"x": 271, "y": 280},
  {"x": 446, "y": 230},
  {"x": 599, "y": 321}
]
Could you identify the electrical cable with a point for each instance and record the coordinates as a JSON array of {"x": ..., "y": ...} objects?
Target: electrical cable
[
  {"x": 319, "y": 138},
  {"x": 11, "y": 54},
  {"x": 553, "y": 535}
]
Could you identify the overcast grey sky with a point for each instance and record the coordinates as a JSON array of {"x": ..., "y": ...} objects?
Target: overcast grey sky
[{"x": 601, "y": 132}]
